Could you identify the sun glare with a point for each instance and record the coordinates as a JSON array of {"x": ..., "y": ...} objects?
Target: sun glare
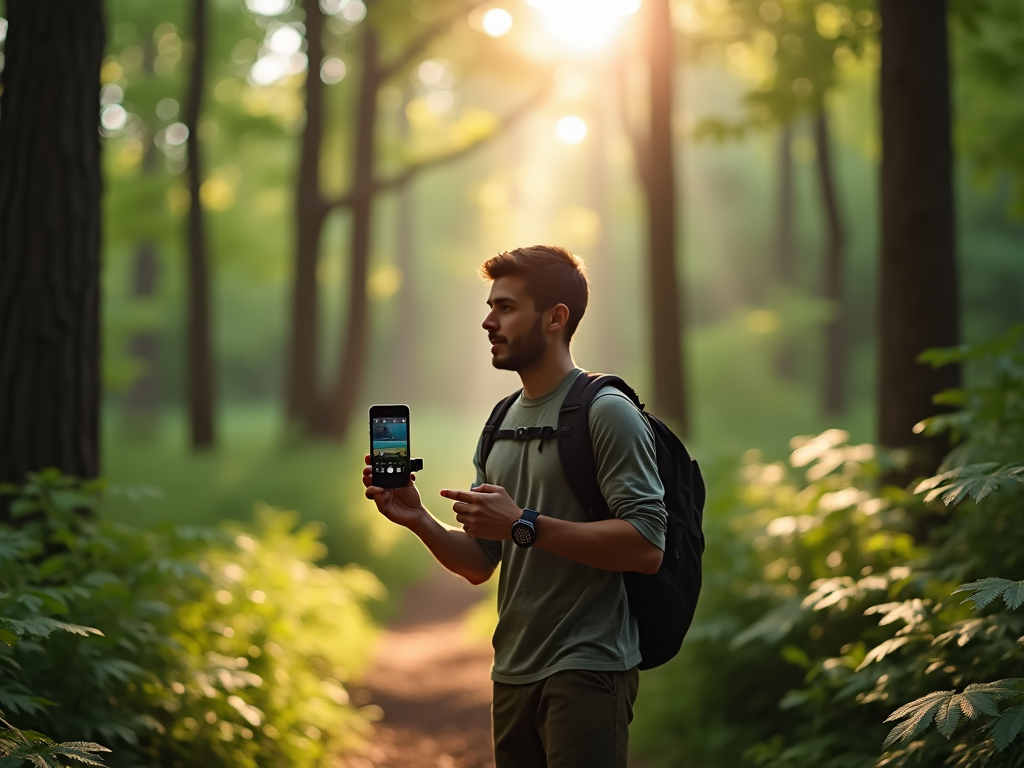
[
  {"x": 497, "y": 22},
  {"x": 571, "y": 129},
  {"x": 584, "y": 26}
]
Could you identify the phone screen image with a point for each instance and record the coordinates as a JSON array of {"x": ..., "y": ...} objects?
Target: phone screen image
[{"x": 389, "y": 450}]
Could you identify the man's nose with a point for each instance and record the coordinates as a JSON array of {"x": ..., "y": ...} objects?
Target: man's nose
[{"x": 489, "y": 322}]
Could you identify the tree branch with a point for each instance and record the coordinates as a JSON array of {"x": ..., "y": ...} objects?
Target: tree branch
[
  {"x": 410, "y": 172},
  {"x": 425, "y": 38}
]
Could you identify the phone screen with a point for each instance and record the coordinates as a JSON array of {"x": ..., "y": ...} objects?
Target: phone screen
[{"x": 389, "y": 449}]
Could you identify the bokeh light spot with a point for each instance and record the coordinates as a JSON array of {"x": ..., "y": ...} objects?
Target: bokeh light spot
[
  {"x": 113, "y": 117},
  {"x": 176, "y": 134},
  {"x": 497, "y": 22},
  {"x": 332, "y": 71},
  {"x": 167, "y": 109},
  {"x": 285, "y": 40},
  {"x": 571, "y": 129},
  {"x": 268, "y": 7}
]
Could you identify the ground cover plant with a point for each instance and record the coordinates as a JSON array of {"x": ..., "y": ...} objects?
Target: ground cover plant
[
  {"x": 834, "y": 630},
  {"x": 181, "y": 646}
]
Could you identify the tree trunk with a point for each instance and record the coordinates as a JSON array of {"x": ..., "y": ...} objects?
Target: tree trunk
[
  {"x": 200, "y": 362},
  {"x": 834, "y": 336},
  {"x": 785, "y": 257},
  {"x": 142, "y": 401},
  {"x": 310, "y": 210},
  {"x": 352, "y": 362},
  {"x": 403, "y": 364},
  {"x": 918, "y": 272},
  {"x": 667, "y": 314},
  {"x": 50, "y": 189},
  {"x": 601, "y": 264}
]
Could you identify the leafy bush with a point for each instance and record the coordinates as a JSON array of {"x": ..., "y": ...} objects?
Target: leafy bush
[
  {"x": 210, "y": 647},
  {"x": 829, "y": 605}
]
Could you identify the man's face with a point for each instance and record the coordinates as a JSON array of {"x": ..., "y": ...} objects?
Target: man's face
[{"x": 513, "y": 326}]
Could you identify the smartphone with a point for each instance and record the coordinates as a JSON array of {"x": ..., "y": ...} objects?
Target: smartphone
[{"x": 389, "y": 445}]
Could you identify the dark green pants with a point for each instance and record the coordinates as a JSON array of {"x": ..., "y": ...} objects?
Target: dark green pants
[{"x": 573, "y": 719}]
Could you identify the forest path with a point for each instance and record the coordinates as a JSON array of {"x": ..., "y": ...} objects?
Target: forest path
[{"x": 432, "y": 679}]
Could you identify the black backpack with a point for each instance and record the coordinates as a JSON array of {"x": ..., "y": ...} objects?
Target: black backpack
[{"x": 664, "y": 602}]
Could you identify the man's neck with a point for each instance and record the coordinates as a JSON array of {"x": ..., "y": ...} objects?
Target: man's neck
[{"x": 547, "y": 374}]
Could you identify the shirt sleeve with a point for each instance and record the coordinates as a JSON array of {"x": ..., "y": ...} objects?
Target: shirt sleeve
[
  {"x": 491, "y": 548},
  {"x": 627, "y": 464}
]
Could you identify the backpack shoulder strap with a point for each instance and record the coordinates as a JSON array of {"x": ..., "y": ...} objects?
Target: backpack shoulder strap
[
  {"x": 575, "y": 449},
  {"x": 493, "y": 422}
]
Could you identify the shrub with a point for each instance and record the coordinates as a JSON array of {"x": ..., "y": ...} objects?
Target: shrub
[
  {"x": 210, "y": 646},
  {"x": 830, "y": 605}
]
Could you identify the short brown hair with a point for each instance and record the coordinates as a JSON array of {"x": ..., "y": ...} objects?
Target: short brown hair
[{"x": 553, "y": 276}]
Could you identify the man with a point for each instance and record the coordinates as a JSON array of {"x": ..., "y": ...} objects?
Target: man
[{"x": 566, "y": 647}]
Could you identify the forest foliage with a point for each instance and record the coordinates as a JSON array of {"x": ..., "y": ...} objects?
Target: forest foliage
[
  {"x": 848, "y": 624},
  {"x": 180, "y": 646}
]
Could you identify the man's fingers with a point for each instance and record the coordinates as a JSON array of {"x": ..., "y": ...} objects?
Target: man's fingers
[
  {"x": 488, "y": 488},
  {"x": 466, "y": 496},
  {"x": 366, "y": 459}
]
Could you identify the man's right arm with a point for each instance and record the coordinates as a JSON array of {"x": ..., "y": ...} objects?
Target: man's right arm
[{"x": 455, "y": 549}]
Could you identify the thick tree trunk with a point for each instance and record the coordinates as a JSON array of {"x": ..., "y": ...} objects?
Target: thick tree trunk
[
  {"x": 50, "y": 188},
  {"x": 352, "y": 362},
  {"x": 833, "y": 393},
  {"x": 304, "y": 342},
  {"x": 785, "y": 251},
  {"x": 918, "y": 272},
  {"x": 667, "y": 314},
  {"x": 200, "y": 358}
]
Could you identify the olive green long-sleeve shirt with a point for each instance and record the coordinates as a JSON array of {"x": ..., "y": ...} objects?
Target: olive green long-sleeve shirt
[{"x": 554, "y": 613}]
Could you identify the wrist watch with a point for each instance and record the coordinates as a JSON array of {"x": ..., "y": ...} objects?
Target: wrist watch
[{"x": 524, "y": 530}]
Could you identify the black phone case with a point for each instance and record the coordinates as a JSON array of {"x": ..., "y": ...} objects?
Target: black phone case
[{"x": 397, "y": 479}]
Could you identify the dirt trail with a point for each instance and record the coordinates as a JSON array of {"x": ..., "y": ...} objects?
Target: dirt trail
[{"x": 432, "y": 680}]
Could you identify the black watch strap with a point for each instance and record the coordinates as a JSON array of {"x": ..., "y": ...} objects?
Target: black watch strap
[{"x": 524, "y": 530}]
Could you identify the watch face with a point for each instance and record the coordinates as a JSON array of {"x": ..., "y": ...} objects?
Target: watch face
[{"x": 523, "y": 533}]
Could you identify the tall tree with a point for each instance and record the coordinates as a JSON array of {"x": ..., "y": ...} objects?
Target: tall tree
[
  {"x": 330, "y": 415},
  {"x": 655, "y": 152},
  {"x": 310, "y": 210},
  {"x": 200, "y": 384},
  {"x": 785, "y": 242},
  {"x": 918, "y": 294},
  {"x": 834, "y": 352},
  {"x": 50, "y": 190}
]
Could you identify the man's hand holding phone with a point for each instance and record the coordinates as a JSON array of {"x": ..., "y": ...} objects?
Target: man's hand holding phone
[{"x": 399, "y": 505}]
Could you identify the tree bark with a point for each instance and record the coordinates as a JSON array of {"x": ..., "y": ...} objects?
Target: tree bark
[
  {"x": 667, "y": 316},
  {"x": 304, "y": 343},
  {"x": 50, "y": 190},
  {"x": 833, "y": 394},
  {"x": 785, "y": 256},
  {"x": 352, "y": 361},
  {"x": 200, "y": 384},
  {"x": 918, "y": 272}
]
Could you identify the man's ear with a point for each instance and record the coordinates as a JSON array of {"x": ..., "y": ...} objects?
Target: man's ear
[{"x": 557, "y": 318}]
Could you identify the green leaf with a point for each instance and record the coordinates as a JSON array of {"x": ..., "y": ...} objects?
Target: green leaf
[
  {"x": 1008, "y": 726},
  {"x": 987, "y": 590},
  {"x": 948, "y": 716},
  {"x": 8, "y": 637},
  {"x": 919, "y": 714}
]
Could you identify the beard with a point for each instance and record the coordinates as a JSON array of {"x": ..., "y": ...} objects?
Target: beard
[{"x": 522, "y": 351}]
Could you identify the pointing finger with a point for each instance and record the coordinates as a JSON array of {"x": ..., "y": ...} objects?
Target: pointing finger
[{"x": 466, "y": 496}]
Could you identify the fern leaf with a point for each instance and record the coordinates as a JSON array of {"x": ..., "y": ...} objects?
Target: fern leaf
[
  {"x": 919, "y": 716},
  {"x": 948, "y": 716},
  {"x": 985, "y": 590},
  {"x": 879, "y": 652},
  {"x": 1008, "y": 726},
  {"x": 1014, "y": 594},
  {"x": 935, "y": 697},
  {"x": 981, "y": 698}
]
